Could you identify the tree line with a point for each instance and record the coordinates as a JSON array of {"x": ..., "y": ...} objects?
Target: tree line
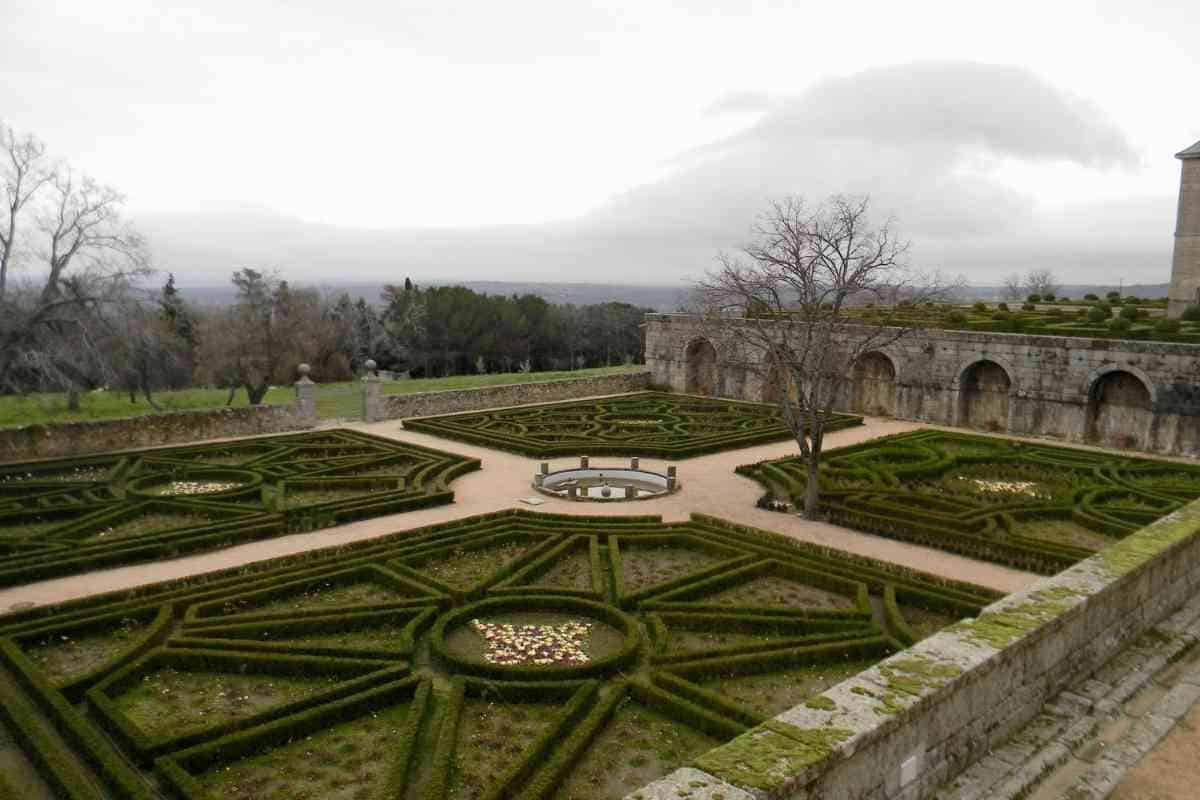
[{"x": 80, "y": 309}]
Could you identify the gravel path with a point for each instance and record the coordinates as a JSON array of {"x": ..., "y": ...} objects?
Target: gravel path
[{"x": 708, "y": 486}]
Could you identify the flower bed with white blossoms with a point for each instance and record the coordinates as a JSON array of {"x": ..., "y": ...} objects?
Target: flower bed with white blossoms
[
  {"x": 511, "y": 645},
  {"x": 196, "y": 487}
]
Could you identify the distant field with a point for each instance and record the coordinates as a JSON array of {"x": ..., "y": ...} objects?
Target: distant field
[{"x": 333, "y": 399}]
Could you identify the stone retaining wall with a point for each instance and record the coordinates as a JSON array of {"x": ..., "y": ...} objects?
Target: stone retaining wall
[
  {"x": 901, "y": 729},
  {"x": 427, "y": 404},
  {"x": 1130, "y": 395},
  {"x": 65, "y": 439}
]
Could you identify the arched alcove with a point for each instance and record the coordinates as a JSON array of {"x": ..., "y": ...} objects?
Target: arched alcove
[
  {"x": 875, "y": 385},
  {"x": 701, "y": 359},
  {"x": 983, "y": 396},
  {"x": 1119, "y": 411}
]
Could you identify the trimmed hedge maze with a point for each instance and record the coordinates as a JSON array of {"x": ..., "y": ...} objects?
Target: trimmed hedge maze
[
  {"x": 74, "y": 515},
  {"x": 513, "y": 655},
  {"x": 1031, "y": 506},
  {"x": 651, "y": 424}
]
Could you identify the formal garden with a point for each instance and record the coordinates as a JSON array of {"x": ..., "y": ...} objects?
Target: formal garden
[
  {"x": 1032, "y": 506},
  {"x": 74, "y": 515},
  {"x": 651, "y": 424},
  {"x": 514, "y": 655}
]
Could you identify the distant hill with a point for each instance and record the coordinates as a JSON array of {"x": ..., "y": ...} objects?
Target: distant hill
[{"x": 659, "y": 298}]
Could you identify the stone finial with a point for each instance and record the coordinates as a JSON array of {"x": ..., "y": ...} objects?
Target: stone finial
[
  {"x": 303, "y": 369},
  {"x": 370, "y": 365}
]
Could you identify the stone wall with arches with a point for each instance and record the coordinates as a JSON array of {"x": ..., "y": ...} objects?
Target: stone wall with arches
[{"x": 1123, "y": 394}]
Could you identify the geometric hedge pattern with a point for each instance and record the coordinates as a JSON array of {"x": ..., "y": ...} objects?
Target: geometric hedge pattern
[
  {"x": 73, "y": 515},
  {"x": 1032, "y": 506},
  {"x": 363, "y": 674},
  {"x": 652, "y": 424}
]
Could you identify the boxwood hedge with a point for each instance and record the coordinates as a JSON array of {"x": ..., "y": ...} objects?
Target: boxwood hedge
[{"x": 698, "y": 606}]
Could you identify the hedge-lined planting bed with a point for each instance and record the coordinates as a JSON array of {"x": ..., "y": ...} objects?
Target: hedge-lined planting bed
[
  {"x": 651, "y": 424},
  {"x": 342, "y": 674},
  {"x": 74, "y": 515},
  {"x": 1035, "y": 507}
]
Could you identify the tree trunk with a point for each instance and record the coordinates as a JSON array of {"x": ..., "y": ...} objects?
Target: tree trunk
[
  {"x": 812, "y": 489},
  {"x": 257, "y": 393},
  {"x": 72, "y": 399},
  {"x": 232, "y": 392}
]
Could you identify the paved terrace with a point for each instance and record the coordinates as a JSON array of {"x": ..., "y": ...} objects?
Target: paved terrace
[{"x": 709, "y": 486}]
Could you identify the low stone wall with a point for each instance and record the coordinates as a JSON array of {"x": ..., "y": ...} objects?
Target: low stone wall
[
  {"x": 150, "y": 430},
  {"x": 427, "y": 404},
  {"x": 900, "y": 730}
]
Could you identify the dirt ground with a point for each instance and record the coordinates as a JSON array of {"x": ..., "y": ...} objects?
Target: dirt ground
[
  {"x": 708, "y": 483},
  {"x": 1169, "y": 771}
]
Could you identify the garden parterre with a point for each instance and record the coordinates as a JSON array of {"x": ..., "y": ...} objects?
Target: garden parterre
[
  {"x": 1036, "y": 507},
  {"x": 651, "y": 424},
  {"x": 590, "y": 656},
  {"x": 73, "y": 515}
]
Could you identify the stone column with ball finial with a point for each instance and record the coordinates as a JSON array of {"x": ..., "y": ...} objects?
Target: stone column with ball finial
[
  {"x": 306, "y": 395},
  {"x": 372, "y": 401}
]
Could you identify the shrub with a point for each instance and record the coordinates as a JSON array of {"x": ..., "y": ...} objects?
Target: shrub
[
  {"x": 1167, "y": 326},
  {"x": 1049, "y": 297},
  {"x": 1001, "y": 316},
  {"x": 980, "y": 306},
  {"x": 1130, "y": 313},
  {"x": 1028, "y": 307},
  {"x": 1099, "y": 313},
  {"x": 1002, "y": 306},
  {"x": 1191, "y": 313},
  {"x": 956, "y": 318},
  {"x": 1119, "y": 325},
  {"x": 1132, "y": 301},
  {"x": 1090, "y": 297},
  {"x": 1034, "y": 298},
  {"x": 1113, "y": 295}
]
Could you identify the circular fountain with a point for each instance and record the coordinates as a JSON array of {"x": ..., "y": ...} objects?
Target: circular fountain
[{"x": 605, "y": 484}]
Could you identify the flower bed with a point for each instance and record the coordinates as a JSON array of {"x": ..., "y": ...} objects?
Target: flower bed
[
  {"x": 1032, "y": 506},
  {"x": 651, "y": 424},
  {"x": 68, "y": 516},
  {"x": 587, "y": 643}
]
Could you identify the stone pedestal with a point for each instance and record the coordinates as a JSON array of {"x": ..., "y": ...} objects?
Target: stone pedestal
[
  {"x": 306, "y": 395},
  {"x": 372, "y": 401}
]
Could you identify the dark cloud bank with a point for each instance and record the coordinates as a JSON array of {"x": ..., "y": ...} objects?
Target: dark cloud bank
[{"x": 912, "y": 136}]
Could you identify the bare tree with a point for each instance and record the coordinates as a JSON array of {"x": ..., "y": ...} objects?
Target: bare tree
[
  {"x": 83, "y": 261},
  {"x": 1042, "y": 281},
  {"x": 1014, "y": 288},
  {"x": 787, "y": 304}
]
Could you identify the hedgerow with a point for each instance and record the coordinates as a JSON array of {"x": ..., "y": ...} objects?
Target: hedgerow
[
  {"x": 712, "y": 604},
  {"x": 651, "y": 424},
  {"x": 1035, "y": 507},
  {"x": 74, "y": 515}
]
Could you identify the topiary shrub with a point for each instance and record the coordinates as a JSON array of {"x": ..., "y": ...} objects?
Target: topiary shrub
[
  {"x": 1119, "y": 325},
  {"x": 1191, "y": 313},
  {"x": 1028, "y": 307},
  {"x": 1002, "y": 306},
  {"x": 1130, "y": 313},
  {"x": 956, "y": 318},
  {"x": 1049, "y": 297},
  {"x": 1113, "y": 295},
  {"x": 1099, "y": 313},
  {"x": 1132, "y": 301},
  {"x": 1002, "y": 316},
  {"x": 1034, "y": 298},
  {"x": 1167, "y": 326},
  {"x": 980, "y": 306},
  {"x": 1090, "y": 297}
]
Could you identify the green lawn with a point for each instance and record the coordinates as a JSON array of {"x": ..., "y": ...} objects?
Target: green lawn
[{"x": 333, "y": 399}]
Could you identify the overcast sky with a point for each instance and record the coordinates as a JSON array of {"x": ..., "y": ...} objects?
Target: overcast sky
[{"x": 628, "y": 141}]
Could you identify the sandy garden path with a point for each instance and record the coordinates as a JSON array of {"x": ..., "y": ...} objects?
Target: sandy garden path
[{"x": 709, "y": 486}]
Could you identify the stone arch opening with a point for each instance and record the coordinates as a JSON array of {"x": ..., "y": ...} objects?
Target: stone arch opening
[
  {"x": 874, "y": 384},
  {"x": 1119, "y": 411},
  {"x": 701, "y": 359},
  {"x": 983, "y": 396}
]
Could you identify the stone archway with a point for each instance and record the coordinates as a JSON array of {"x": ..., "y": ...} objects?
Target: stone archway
[
  {"x": 701, "y": 359},
  {"x": 983, "y": 396},
  {"x": 1119, "y": 411},
  {"x": 875, "y": 385}
]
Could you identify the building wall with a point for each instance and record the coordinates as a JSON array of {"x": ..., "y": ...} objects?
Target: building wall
[
  {"x": 1072, "y": 388},
  {"x": 1185, "y": 265}
]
